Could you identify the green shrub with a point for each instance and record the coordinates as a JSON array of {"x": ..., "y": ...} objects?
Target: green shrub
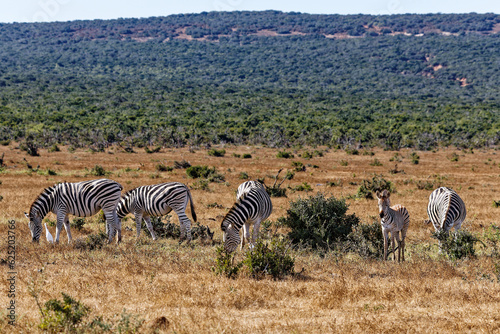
[
  {"x": 284, "y": 155},
  {"x": 154, "y": 150},
  {"x": 456, "y": 245},
  {"x": 243, "y": 176},
  {"x": 236, "y": 155},
  {"x": 376, "y": 162},
  {"x": 163, "y": 168},
  {"x": 224, "y": 263},
  {"x": 30, "y": 148},
  {"x": 377, "y": 183},
  {"x": 307, "y": 155},
  {"x": 352, "y": 151},
  {"x": 303, "y": 187},
  {"x": 54, "y": 148},
  {"x": 5, "y": 142},
  {"x": 92, "y": 242},
  {"x": 298, "y": 166},
  {"x": 367, "y": 240},
  {"x": 63, "y": 316},
  {"x": 454, "y": 157},
  {"x": 183, "y": 164},
  {"x": 78, "y": 223},
  {"x": 318, "y": 222},
  {"x": 272, "y": 258},
  {"x": 201, "y": 184},
  {"x": 247, "y": 156},
  {"x": 216, "y": 153},
  {"x": 98, "y": 170},
  {"x": 210, "y": 174},
  {"x": 415, "y": 158},
  {"x": 492, "y": 238},
  {"x": 344, "y": 163}
]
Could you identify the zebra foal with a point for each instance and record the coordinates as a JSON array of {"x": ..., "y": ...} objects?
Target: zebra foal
[
  {"x": 394, "y": 220},
  {"x": 253, "y": 205},
  {"x": 446, "y": 209},
  {"x": 158, "y": 200},
  {"x": 81, "y": 199}
]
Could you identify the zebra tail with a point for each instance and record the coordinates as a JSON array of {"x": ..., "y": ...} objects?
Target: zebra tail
[{"x": 193, "y": 213}]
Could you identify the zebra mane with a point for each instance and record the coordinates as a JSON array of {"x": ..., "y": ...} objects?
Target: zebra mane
[
  {"x": 129, "y": 192},
  {"x": 45, "y": 192}
]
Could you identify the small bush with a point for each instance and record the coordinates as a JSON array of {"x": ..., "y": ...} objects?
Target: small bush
[
  {"x": 217, "y": 153},
  {"x": 236, "y": 155},
  {"x": 271, "y": 258},
  {"x": 415, "y": 158},
  {"x": 366, "y": 240},
  {"x": 284, "y": 155},
  {"x": 247, "y": 156},
  {"x": 98, "y": 170},
  {"x": 92, "y": 242},
  {"x": 243, "y": 176},
  {"x": 163, "y": 168},
  {"x": 183, "y": 164},
  {"x": 201, "y": 184},
  {"x": 307, "y": 155},
  {"x": 298, "y": 166},
  {"x": 30, "y": 148},
  {"x": 344, "y": 163},
  {"x": 224, "y": 264},
  {"x": 376, "y": 162},
  {"x": 54, "y": 148},
  {"x": 337, "y": 183},
  {"x": 377, "y": 183},
  {"x": 318, "y": 221},
  {"x": 352, "y": 151},
  {"x": 456, "y": 245},
  {"x": 63, "y": 316},
  {"x": 454, "y": 157},
  {"x": 303, "y": 187},
  {"x": 5, "y": 142},
  {"x": 78, "y": 223},
  {"x": 154, "y": 150},
  {"x": 496, "y": 204}
]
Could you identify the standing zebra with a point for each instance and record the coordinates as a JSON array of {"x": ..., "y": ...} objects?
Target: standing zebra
[
  {"x": 253, "y": 205},
  {"x": 81, "y": 199},
  {"x": 446, "y": 209},
  {"x": 395, "y": 220},
  {"x": 158, "y": 200}
]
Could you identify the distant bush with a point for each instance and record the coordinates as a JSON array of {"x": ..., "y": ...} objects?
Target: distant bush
[
  {"x": 376, "y": 162},
  {"x": 247, "y": 156},
  {"x": 154, "y": 150},
  {"x": 210, "y": 174},
  {"x": 298, "y": 166},
  {"x": 92, "y": 242},
  {"x": 217, "y": 153},
  {"x": 54, "y": 148},
  {"x": 284, "y": 155},
  {"x": 236, "y": 155},
  {"x": 163, "y": 168},
  {"x": 98, "y": 170},
  {"x": 415, "y": 158},
  {"x": 243, "y": 176},
  {"x": 78, "y": 223},
  {"x": 377, "y": 183},
  {"x": 306, "y": 155},
  {"x": 318, "y": 222},
  {"x": 454, "y": 157},
  {"x": 183, "y": 164},
  {"x": 303, "y": 187},
  {"x": 30, "y": 148}
]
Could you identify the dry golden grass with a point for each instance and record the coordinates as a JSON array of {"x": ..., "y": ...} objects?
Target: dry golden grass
[{"x": 334, "y": 293}]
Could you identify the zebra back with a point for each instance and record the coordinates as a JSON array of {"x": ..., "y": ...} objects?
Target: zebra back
[{"x": 446, "y": 209}]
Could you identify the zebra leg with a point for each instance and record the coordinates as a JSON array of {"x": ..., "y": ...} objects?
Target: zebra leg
[
  {"x": 246, "y": 234},
  {"x": 398, "y": 239},
  {"x": 393, "y": 245},
  {"x": 185, "y": 225},
  {"x": 150, "y": 227},
  {"x": 66, "y": 227},
  {"x": 61, "y": 217},
  {"x": 138, "y": 222},
  {"x": 111, "y": 224},
  {"x": 386, "y": 243}
]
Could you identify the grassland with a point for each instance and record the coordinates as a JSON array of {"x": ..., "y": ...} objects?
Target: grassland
[{"x": 173, "y": 289}]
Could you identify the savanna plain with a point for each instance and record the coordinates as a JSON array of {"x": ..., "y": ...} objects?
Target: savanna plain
[{"x": 169, "y": 287}]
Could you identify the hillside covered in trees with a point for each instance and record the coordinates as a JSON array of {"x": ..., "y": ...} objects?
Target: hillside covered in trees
[{"x": 271, "y": 78}]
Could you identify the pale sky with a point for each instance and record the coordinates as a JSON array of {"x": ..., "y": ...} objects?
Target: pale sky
[{"x": 67, "y": 10}]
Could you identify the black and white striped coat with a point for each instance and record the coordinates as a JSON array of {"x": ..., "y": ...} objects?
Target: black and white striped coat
[
  {"x": 394, "y": 220},
  {"x": 446, "y": 209},
  {"x": 253, "y": 205},
  {"x": 81, "y": 199},
  {"x": 158, "y": 200}
]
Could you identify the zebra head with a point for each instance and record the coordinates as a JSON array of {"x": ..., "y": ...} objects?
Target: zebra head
[
  {"x": 35, "y": 224},
  {"x": 230, "y": 236},
  {"x": 383, "y": 202}
]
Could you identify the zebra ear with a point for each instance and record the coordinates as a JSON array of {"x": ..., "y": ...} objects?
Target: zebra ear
[
  {"x": 385, "y": 193},
  {"x": 27, "y": 215},
  {"x": 377, "y": 193}
]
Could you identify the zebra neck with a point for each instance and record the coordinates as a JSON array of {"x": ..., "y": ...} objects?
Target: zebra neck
[
  {"x": 45, "y": 202},
  {"x": 238, "y": 215}
]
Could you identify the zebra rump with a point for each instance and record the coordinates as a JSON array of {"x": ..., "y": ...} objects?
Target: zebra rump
[{"x": 446, "y": 209}]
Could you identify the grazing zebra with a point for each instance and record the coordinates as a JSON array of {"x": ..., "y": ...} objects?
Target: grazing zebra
[
  {"x": 81, "y": 199},
  {"x": 446, "y": 209},
  {"x": 395, "y": 220},
  {"x": 253, "y": 205},
  {"x": 158, "y": 200}
]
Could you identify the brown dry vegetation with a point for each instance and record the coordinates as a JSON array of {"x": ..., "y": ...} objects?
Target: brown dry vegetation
[{"x": 334, "y": 293}]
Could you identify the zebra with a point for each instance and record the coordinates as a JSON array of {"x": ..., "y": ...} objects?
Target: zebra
[
  {"x": 253, "y": 205},
  {"x": 395, "y": 220},
  {"x": 81, "y": 199},
  {"x": 158, "y": 200},
  {"x": 446, "y": 209}
]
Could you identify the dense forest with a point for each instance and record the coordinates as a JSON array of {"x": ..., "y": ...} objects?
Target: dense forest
[{"x": 271, "y": 78}]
